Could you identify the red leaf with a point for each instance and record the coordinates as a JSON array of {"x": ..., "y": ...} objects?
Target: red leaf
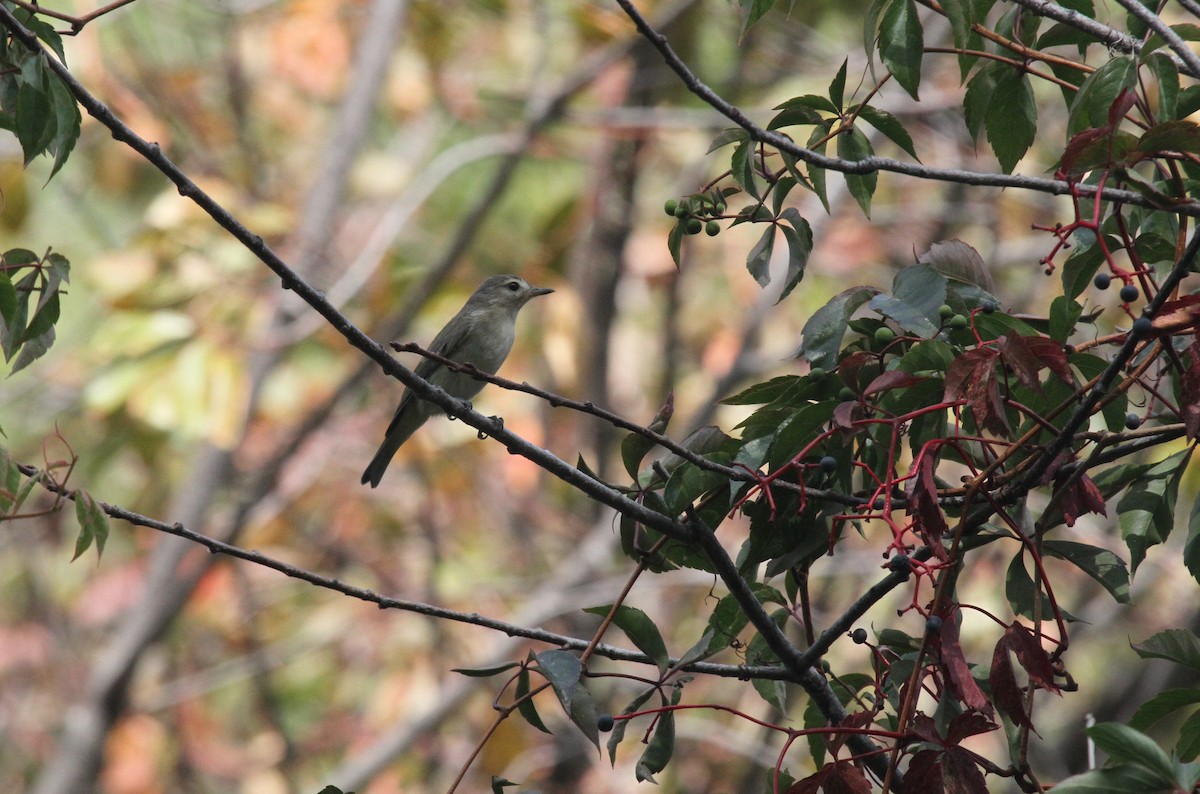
[
  {"x": 1079, "y": 497},
  {"x": 1015, "y": 353},
  {"x": 924, "y": 775},
  {"x": 1005, "y": 691},
  {"x": 1189, "y": 388},
  {"x": 924, "y": 728},
  {"x": 843, "y": 414},
  {"x": 969, "y": 723},
  {"x": 958, "y": 673},
  {"x": 960, "y": 773},
  {"x": 923, "y": 505},
  {"x": 846, "y": 778},
  {"x": 1051, "y": 354},
  {"x": 895, "y": 379},
  {"x": 973, "y": 376},
  {"x": 1033, "y": 657}
]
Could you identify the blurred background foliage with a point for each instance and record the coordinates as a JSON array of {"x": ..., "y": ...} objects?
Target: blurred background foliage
[{"x": 182, "y": 371}]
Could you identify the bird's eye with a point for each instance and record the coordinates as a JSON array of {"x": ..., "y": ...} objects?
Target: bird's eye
[{"x": 513, "y": 286}]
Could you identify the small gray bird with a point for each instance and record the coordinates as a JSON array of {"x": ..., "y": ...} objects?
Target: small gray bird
[{"x": 480, "y": 334}]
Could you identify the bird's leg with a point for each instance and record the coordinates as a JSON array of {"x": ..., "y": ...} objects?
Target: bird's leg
[
  {"x": 453, "y": 417},
  {"x": 499, "y": 420}
]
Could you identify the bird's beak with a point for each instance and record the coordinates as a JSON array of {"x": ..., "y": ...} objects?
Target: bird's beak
[{"x": 536, "y": 291}]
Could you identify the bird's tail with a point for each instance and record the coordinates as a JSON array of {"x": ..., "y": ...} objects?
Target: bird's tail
[{"x": 404, "y": 424}]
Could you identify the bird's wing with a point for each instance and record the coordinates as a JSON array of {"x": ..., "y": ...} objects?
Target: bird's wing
[{"x": 447, "y": 343}]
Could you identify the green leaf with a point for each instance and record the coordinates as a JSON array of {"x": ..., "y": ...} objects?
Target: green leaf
[
  {"x": 1124, "y": 779},
  {"x": 485, "y": 672},
  {"x": 8, "y": 298},
  {"x": 816, "y": 174},
  {"x": 1167, "y": 74},
  {"x": 525, "y": 705},
  {"x": 727, "y": 136},
  {"x": 93, "y": 524},
  {"x": 1191, "y": 548},
  {"x": 889, "y": 125},
  {"x": 978, "y": 98},
  {"x": 1101, "y": 564},
  {"x": 67, "y": 123},
  {"x": 959, "y": 261},
  {"x": 32, "y": 350},
  {"x": 1175, "y": 645},
  {"x": 1146, "y": 513},
  {"x": 1162, "y": 704},
  {"x": 641, "y": 630},
  {"x": 758, "y": 261},
  {"x": 837, "y": 88},
  {"x": 854, "y": 146},
  {"x": 688, "y": 482},
  {"x": 634, "y": 448},
  {"x": 799, "y": 239},
  {"x": 661, "y": 747},
  {"x": 619, "y": 726},
  {"x": 563, "y": 670},
  {"x": 1123, "y": 743},
  {"x": 824, "y": 331},
  {"x": 754, "y": 11},
  {"x": 1097, "y": 93},
  {"x": 1011, "y": 121},
  {"x": 901, "y": 43},
  {"x": 768, "y": 391},
  {"x": 917, "y": 294},
  {"x": 741, "y": 165}
]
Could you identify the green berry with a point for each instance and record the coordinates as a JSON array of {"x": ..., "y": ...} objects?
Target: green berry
[
  {"x": 682, "y": 210},
  {"x": 1129, "y": 293},
  {"x": 816, "y": 373},
  {"x": 883, "y": 335},
  {"x": 946, "y": 311},
  {"x": 958, "y": 322},
  {"x": 845, "y": 394},
  {"x": 1133, "y": 421},
  {"x": 1102, "y": 280},
  {"x": 671, "y": 206},
  {"x": 693, "y": 226},
  {"x": 712, "y": 228}
]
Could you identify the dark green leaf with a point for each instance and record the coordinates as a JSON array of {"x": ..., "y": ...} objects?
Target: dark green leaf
[
  {"x": 1123, "y": 743},
  {"x": 1146, "y": 512},
  {"x": 93, "y": 524},
  {"x": 1011, "y": 120},
  {"x": 485, "y": 672},
  {"x": 758, "y": 261},
  {"x": 660, "y": 749},
  {"x": 525, "y": 705},
  {"x": 958, "y": 260},
  {"x": 1096, "y": 95},
  {"x": 889, "y": 125},
  {"x": 618, "y": 732},
  {"x": 901, "y": 43},
  {"x": 641, "y": 630},
  {"x": 824, "y": 331},
  {"x": 727, "y": 136},
  {"x": 800, "y": 243},
  {"x": 1167, "y": 74},
  {"x": 837, "y": 88},
  {"x": 854, "y": 146},
  {"x": 741, "y": 165},
  {"x": 1175, "y": 645},
  {"x": 1161, "y": 705},
  {"x": 1101, "y": 564}
]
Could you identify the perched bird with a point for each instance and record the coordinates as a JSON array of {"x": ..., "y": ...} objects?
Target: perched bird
[{"x": 481, "y": 334}]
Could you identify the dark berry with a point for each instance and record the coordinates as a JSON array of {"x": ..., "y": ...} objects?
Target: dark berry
[
  {"x": 1142, "y": 326},
  {"x": 933, "y": 624},
  {"x": 988, "y": 306},
  {"x": 1102, "y": 280},
  {"x": 859, "y": 636},
  {"x": 1129, "y": 293},
  {"x": 828, "y": 464},
  {"x": 604, "y": 723},
  {"x": 901, "y": 563},
  {"x": 1133, "y": 421}
]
